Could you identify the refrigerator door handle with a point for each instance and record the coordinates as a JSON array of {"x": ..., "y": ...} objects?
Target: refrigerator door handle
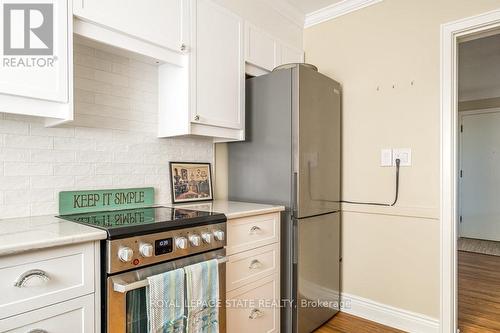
[
  {"x": 295, "y": 241},
  {"x": 294, "y": 194}
]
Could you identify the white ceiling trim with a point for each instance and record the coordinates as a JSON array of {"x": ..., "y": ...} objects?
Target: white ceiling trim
[
  {"x": 288, "y": 11},
  {"x": 335, "y": 10}
]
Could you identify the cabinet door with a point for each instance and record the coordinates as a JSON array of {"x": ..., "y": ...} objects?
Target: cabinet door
[
  {"x": 219, "y": 67},
  {"x": 35, "y": 50},
  {"x": 157, "y": 21},
  {"x": 287, "y": 54},
  {"x": 260, "y": 48}
]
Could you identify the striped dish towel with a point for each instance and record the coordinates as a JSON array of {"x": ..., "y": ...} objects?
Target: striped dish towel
[
  {"x": 165, "y": 295},
  {"x": 202, "y": 286}
]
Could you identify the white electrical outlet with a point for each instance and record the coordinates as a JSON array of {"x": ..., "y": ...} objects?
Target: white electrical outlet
[
  {"x": 404, "y": 156},
  {"x": 386, "y": 157}
]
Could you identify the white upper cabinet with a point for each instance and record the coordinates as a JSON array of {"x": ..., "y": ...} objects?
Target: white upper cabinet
[
  {"x": 287, "y": 54},
  {"x": 207, "y": 96},
  {"x": 260, "y": 47},
  {"x": 36, "y": 49},
  {"x": 156, "y": 21},
  {"x": 218, "y": 67}
]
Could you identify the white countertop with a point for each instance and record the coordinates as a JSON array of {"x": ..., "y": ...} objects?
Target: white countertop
[
  {"x": 31, "y": 233},
  {"x": 233, "y": 209},
  {"x": 37, "y": 232}
]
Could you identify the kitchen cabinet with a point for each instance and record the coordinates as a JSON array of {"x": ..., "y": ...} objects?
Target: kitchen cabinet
[
  {"x": 159, "y": 22},
  {"x": 36, "y": 76},
  {"x": 253, "y": 273},
  {"x": 260, "y": 47},
  {"x": 206, "y": 97},
  {"x": 287, "y": 54},
  {"x": 263, "y": 52},
  {"x": 53, "y": 290}
]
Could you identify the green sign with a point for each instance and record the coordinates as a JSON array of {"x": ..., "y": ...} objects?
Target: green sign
[{"x": 74, "y": 202}]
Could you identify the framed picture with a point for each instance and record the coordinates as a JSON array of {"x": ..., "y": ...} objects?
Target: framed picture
[{"x": 191, "y": 181}]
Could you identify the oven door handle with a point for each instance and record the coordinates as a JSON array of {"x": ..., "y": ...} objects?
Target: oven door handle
[{"x": 126, "y": 287}]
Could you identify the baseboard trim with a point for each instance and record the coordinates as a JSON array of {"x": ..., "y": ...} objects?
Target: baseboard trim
[{"x": 387, "y": 315}]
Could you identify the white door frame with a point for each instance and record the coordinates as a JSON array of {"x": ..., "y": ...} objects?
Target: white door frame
[{"x": 451, "y": 33}]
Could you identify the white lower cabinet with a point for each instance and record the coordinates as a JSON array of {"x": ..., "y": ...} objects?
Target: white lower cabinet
[
  {"x": 253, "y": 274},
  {"x": 254, "y": 308},
  {"x": 54, "y": 290},
  {"x": 75, "y": 316}
]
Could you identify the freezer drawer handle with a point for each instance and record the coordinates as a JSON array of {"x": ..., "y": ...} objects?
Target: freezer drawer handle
[
  {"x": 255, "y": 314},
  {"x": 26, "y": 276},
  {"x": 254, "y": 230},
  {"x": 255, "y": 264}
]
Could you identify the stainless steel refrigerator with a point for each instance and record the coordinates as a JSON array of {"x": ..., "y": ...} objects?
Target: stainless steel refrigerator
[{"x": 291, "y": 156}]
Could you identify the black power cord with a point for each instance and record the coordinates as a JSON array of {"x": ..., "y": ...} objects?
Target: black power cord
[{"x": 398, "y": 162}]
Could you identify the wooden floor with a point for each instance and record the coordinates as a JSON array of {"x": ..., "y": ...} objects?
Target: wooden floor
[
  {"x": 478, "y": 293},
  {"x": 345, "y": 323}
]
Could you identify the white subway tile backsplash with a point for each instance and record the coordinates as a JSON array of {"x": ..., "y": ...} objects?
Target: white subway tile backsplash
[
  {"x": 112, "y": 143},
  {"x": 31, "y": 142},
  {"x": 27, "y": 169}
]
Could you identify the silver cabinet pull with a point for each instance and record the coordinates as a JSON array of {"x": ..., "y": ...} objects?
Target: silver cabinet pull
[
  {"x": 254, "y": 229},
  {"x": 197, "y": 118},
  {"x": 255, "y": 264},
  {"x": 255, "y": 313},
  {"x": 26, "y": 276},
  {"x": 38, "y": 331}
]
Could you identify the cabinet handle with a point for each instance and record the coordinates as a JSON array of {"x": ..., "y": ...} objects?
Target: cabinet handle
[
  {"x": 255, "y": 264},
  {"x": 183, "y": 47},
  {"x": 38, "y": 331},
  {"x": 197, "y": 117},
  {"x": 26, "y": 276},
  {"x": 255, "y": 313},
  {"x": 254, "y": 230}
]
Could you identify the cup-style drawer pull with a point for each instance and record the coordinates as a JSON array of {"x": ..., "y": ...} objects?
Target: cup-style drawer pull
[
  {"x": 26, "y": 276},
  {"x": 255, "y": 264},
  {"x": 255, "y": 229},
  {"x": 38, "y": 331},
  {"x": 255, "y": 313}
]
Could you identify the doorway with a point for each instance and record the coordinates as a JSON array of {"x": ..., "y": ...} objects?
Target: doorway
[
  {"x": 478, "y": 246},
  {"x": 452, "y": 34}
]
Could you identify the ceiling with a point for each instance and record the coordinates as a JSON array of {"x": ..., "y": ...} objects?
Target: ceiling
[
  {"x": 479, "y": 68},
  {"x": 308, "y": 6}
]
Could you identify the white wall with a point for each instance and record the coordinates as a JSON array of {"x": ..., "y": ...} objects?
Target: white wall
[{"x": 111, "y": 144}]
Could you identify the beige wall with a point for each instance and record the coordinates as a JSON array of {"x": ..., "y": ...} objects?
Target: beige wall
[{"x": 387, "y": 58}]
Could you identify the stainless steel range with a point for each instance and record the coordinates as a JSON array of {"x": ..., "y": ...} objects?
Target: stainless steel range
[{"x": 148, "y": 241}]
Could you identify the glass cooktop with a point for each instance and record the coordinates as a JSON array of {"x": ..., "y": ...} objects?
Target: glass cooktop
[{"x": 138, "y": 221}]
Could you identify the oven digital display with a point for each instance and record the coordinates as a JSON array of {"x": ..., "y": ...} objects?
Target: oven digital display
[{"x": 163, "y": 246}]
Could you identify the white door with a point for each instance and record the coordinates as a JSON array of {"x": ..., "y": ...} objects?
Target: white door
[
  {"x": 35, "y": 50},
  {"x": 219, "y": 66},
  {"x": 480, "y": 179},
  {"x": 157, "y": 21}
]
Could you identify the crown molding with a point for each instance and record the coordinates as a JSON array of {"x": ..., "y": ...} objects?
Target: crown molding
[
  {"x": 335, "y": 10},
  {"x": 288, "y": 11}
]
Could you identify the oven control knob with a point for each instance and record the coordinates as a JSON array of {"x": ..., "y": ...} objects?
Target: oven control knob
[
  {"x": 181, "y": 243},
  {"x": 195, "y": 240},
  {"x": 219, "y": 235},
  {"x": 146, "y": 250},
  {"x": 125, "y": 254},
  {"x": 207, "y": 237}
]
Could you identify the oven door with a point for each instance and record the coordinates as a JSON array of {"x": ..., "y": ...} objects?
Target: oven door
[{"x": 126, "y": 310}]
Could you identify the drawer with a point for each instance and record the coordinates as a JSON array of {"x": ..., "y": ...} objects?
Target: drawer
[
  {"x": 249, "y": 266},
  {"x": 50, "y": 276},
  {"x": 248, "y": 233},
  {"x": 254, "y": 308},
  {"x": 75, "y": 316}
]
